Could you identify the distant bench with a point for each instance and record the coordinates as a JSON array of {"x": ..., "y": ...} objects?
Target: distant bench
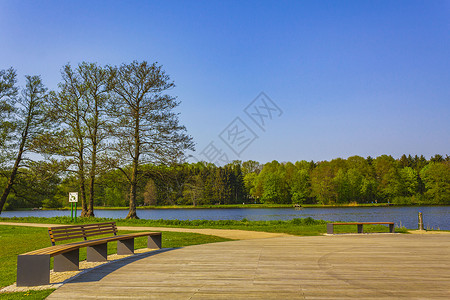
[
  {"x": 33, "y": 268},
  {"x": 330, "y": 226}
]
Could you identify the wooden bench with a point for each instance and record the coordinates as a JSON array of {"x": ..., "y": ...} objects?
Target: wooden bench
[
  {"x": 330, "y": 226},
  {"x": 33, "y": 268}
]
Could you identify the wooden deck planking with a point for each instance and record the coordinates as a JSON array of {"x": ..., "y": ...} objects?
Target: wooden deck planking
[{"x": 326, "y": 267}]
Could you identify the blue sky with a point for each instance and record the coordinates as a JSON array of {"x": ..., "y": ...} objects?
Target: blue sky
[{"x": 350, "y": 77}]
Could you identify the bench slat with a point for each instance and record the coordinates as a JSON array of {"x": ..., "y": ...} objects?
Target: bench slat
[
  {"x": 84, "y": 225},
  {"x": 86, "y": 233},
  {"x": 62, "y": 233},
  {"x": 57, "y": 230}
]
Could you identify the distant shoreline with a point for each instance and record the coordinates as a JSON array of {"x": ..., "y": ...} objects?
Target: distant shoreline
[{"x": 236, "y": 206}]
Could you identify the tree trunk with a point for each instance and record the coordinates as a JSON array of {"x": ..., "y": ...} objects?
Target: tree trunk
[
  {"x": 90, "y": 210},
  {"x": 132, "y": 213},
  {"x": 10, "y": 181},
  {"x": 16, "y": 165},
  {"x": 82, "y": 183}
]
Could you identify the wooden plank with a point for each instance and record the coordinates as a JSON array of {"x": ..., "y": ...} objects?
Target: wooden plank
[
  {"x": 84, "y": 231},
  {"x": 320, "y": 267}
]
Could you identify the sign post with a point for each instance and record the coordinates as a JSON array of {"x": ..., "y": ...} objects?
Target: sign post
[{"x": 73, "y": 198}]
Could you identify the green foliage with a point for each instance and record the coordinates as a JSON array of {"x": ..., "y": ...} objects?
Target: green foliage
[
  {"x": 23, "y": 121},
  {"x": 355, "y": 180},
  {"x": 300, "y": 186},
  {"x": 436, "y": 177},
  {"x": 34, "y": 295}
]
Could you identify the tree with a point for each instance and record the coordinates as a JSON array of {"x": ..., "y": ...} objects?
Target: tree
[
  {"x": 146, "y": 129},
  {"x": 322, "y": 183},
  {"x": 410, "y": 181},
  {"x": 80, "y": 109},
  {"x": 150, "y": 193},
  {"x": 436, "y": 177},
  {"x": 8, "y": 92},
  {"x": 250, "y": 183},
  {"x": 68, "y": 108},
  {"x": 405, "y": 161},
  {"x": 272, "y": 179},
  {"x": 192, "y": 192},
  {"x": 387, "y": 176},
  {"x": 26, "y": 121},
  {"x": 35, "y": 186},
  {"x": 251, "y": 166},
  {"x": 275, "y": 189},
  {"x": 300, "y": 186},
  {"x": 95, "y": 84}
]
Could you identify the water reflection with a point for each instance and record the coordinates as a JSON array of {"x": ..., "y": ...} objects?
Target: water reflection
[{"x": 434, "y": 216}]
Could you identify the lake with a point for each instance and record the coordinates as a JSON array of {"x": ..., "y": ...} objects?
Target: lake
[{"x": 435, "y": 217}]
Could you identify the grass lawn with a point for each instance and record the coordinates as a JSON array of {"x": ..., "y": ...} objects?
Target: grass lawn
[
  {"x": 15, "y": 240},
  {"x": 35, "y": 295},
  {"x": 303, "y": 227}
]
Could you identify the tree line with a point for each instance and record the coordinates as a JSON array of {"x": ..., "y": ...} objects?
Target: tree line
[
  {"x": 408, "y": 180},
  {"x": 101, "y": 118},
  {"x": 405, "y": 181}
]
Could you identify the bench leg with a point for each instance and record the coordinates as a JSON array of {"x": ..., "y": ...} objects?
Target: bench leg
[
  {"x": 68, "y": 261},
  {"x": 125, "y": 247},
  {"x": 330, "y": 228},
  {"x": 97, "y": 252},
  {"x": 33, "y": 270},
  {"x": 154, "y": 241},
  {"x": 391, "y": 228},
  {"x": 360, "y": 228}
]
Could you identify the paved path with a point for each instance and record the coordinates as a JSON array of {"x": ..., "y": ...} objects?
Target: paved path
[
  {"x": 378, "y": 266},
  {"x": 225, "y": 233}
]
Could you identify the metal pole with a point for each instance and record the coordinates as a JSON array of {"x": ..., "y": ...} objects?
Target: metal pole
[
  {"x": 76, "y": 212},
  {"x": 71, "y": 211},
  {"x": 420, "y": 221}
]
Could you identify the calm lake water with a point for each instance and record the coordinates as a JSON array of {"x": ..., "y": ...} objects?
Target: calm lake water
[{"x": 437, "y": 217}]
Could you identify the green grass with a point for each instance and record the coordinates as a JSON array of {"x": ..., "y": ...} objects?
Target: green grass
[
  {"x": 15, "y": 240},
  {"x": 35, "y": 295},
  {"x": 304, "y": 226}
]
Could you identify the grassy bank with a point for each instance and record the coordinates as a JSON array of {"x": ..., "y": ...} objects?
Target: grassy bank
[
  {"x": 19, "y": 239},
  {"x": 304, "y": 226}
]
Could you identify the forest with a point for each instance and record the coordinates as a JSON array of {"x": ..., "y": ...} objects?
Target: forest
[
  {"x": 405, "y": 181},
  {"x": 111, "y": 133}
]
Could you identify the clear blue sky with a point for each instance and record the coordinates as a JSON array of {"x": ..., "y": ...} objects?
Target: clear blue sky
[{"x": 350, "y": 77}]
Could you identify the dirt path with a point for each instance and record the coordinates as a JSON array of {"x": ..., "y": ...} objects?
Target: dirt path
[{"x": 225, "y": 233}]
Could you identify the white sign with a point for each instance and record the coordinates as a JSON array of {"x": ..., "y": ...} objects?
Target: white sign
[{"x": 73, "y": 197}]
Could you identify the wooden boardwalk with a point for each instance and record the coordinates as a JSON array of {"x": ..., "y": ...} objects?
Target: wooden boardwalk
[{"x": 369, "y": 266}]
